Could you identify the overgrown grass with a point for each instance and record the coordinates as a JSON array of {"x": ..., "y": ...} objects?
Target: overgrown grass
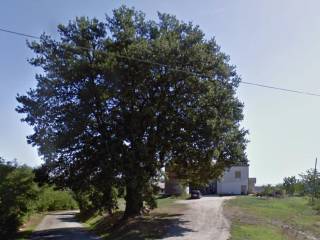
[
  {"x": 276, "y": 217},
  {"x": 151, "y": 226}
]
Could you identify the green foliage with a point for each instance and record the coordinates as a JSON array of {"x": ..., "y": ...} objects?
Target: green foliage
[
  {"x": 90, "y": 200},
  {"x": 121, "y": 99},
  {"x": 272, "y": 191},
  {"x": 20, "y": 196},
  {"x": 308, "y": 184},
  {"x": 311, "y": 181},
  {"x": 299, "y": 189},
  {"x": 289, "y": 184},
  {"x": 51, "y": 200},
  {"x": 6, "y": 168},
  {"x": 17, "y": 193}
]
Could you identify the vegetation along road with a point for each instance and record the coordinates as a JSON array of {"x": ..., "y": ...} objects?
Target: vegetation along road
[{"x": 61, "y": 226}]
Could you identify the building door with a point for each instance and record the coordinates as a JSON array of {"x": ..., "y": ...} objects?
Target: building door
[{"x": 243, "y": 189}]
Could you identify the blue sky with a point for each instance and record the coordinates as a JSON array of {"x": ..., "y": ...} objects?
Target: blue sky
[{"x": 270, "y": 41}]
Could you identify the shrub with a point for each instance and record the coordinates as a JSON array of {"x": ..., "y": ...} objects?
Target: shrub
[
  {"x": 62, "y": 200},
  {"x": 299, "y": 189},
  {"x": 52, "y": 200},
  {"x": 17, "y": 192},
  {"x": 20, "y": 196},
  {"x": 272, "y": 191}
]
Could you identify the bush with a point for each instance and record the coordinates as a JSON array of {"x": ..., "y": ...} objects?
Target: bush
[
  {"x": 20, "y": 196},
  {"x": 17, "y": 192},
  {"x": 272, "y": 191},
  {"x": 92, "y": 200},
  {"x": 299, "y": 189},
  {"x": 52, "y": 200}
]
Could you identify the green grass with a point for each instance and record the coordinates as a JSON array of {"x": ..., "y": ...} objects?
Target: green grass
[
  {"x": 169, "y": 201},
  {"x": 268, "y": 215},
  {"x": 256, "y": 232}
]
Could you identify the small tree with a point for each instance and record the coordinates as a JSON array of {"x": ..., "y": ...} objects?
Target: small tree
[
  {"x": 289, "y": 184},
  {"x": 311, "y": 181},
  {"x": 299, "y": 188}
]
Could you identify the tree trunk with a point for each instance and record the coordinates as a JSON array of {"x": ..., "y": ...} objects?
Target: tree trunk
[{"x": 134, "y": 201}]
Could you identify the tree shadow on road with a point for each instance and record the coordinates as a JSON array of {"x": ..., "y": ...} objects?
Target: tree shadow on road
[
  {"x": 153, "y": 226},
  {"x": 63, "y": 234}
]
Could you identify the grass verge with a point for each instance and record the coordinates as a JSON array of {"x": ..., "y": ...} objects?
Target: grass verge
[
  {"x": 272, "y": 218},
  {"x": 27, "y": 229}
]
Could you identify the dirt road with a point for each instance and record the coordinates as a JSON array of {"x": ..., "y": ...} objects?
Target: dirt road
[
  {"x": 61, "y": 226},
  {"x": 203, "y": 220}
]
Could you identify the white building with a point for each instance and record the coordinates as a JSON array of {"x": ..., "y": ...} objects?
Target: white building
[{"x": 235, "y": 181}]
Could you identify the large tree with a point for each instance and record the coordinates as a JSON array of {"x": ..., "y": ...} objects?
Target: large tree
[{"x": 118, "y": 100}]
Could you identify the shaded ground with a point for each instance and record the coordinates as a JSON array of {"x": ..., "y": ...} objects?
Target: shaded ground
[
  {"x": 61, "y": 226},
  {"x": 147, "y": 227},
  {"x": 174, "y": 220},
  {"x": 152, "y": 226}
]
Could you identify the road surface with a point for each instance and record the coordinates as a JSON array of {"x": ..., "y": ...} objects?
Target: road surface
[
  {"x": 61, "y": 226},
  {"x": 203, "y": 220}
]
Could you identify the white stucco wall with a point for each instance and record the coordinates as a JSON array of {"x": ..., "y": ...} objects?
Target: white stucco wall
[{"x": 229, "y": 184}]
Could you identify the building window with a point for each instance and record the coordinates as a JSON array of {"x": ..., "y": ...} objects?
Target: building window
[{"x": 237, "y": 174}]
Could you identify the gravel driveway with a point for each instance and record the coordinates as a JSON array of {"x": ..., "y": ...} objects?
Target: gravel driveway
[
  {"x": 203, "y": 220},
  {"x": 61, "y": 226}
]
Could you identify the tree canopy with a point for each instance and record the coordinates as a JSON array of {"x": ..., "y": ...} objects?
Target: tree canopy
[{"x": 120, "y": 99}]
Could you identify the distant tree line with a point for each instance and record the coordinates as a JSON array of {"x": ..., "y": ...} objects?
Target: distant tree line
[
  {"x": 307, "y": 184},
  {"x": 21, "y": 196}
]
